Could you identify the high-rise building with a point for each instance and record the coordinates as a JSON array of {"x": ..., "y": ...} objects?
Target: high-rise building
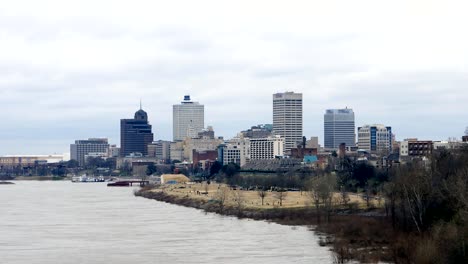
[
  {"x": 375, "y": 138},
  {"x": 83, "y": 148},
  {"x": 135, "y": 134},
  {"x": 287, "y": 118},
  {"x": 188, "y": 119},
  {"x": 339, "y": 128}
]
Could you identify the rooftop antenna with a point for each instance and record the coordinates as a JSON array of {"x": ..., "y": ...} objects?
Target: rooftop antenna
[{"x": 140, "y": 104}]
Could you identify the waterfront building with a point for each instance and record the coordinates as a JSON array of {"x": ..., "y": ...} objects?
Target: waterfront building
[
  {"x": 160, "y": 149},
  {"x": 9, "y": 161},
  {"x": 82, "y": 148},
  {"x": 188, "y": 119},
  {"x": 375, "y": 139},
  {"x": 176, "y": 150},
  {"x": 266, "y": 148},
  {"x": 339, "y": 127},
  {"x": 287, "y": 118},
  {"x": 135, "y": 134}
]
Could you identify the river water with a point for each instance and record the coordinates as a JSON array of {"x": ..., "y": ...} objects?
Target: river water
[{"x": 64, "y": 222}]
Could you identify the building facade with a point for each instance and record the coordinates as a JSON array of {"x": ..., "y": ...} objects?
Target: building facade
[
  {"x": 266, "y": 148},
  {"x": 236, "y": 150},
  {"x": 160, "y": 150},
  {"x": 416, "y": 148},
  {"x": 375, "y": 139},
  {"x": 83, "y": 148},
  {"x": 28, "y": 160},
  {"x": 135, "y": 134},
  {"x": 188, "y": 119},
  {"x": 258, "y": 131},
  {"x": 339, "y": 127},
  {"x": 287, "y": 118}
]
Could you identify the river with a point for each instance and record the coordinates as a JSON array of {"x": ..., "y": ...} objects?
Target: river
[{"x": 64, "y": 222}]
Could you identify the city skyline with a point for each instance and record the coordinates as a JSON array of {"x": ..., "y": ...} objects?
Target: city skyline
[{"x": 73, "y": 72}]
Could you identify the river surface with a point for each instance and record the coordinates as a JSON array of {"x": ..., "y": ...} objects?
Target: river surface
[{"x": 64, "y": 222}]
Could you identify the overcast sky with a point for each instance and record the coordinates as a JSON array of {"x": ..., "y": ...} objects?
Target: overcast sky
[{"x": 71, "y": 69}]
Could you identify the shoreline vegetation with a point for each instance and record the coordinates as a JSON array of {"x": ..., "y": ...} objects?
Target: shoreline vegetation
[
  {"x": 415, "y": 212},
  {"x": 352, "y": 233}
]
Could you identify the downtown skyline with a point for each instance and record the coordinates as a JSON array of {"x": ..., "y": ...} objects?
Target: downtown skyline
[{"x": 66, "y": 77}]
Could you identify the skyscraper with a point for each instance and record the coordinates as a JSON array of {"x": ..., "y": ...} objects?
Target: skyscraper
[
  {"x": 339, "y": 128},
  {"x": 135, "y": 134},
  {"x": 188, "y": 119},
  {"x": 287, "y": 118}
]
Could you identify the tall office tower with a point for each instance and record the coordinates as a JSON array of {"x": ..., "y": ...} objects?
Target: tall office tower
[
  {"x": 82, "y": 148},
  {"x": 188, "y": 119},
  {"x": 135, "y": 134},
  {"x": 287, "y": 118},
  {"x": 339, "y": 128},
  {"x": 375, "y": 138}
]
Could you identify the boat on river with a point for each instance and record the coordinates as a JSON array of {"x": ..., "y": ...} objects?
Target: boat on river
[{"x": 85, "y": 178}]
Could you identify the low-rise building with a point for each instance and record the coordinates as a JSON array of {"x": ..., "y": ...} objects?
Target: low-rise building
[
  {"x": 160, "y": 149},
  {"x": 236, "y": 150},
  {"x": 416, "y": 148},
  {"x": 266, "y": 148},
  {"x": 29, "y": 160}
]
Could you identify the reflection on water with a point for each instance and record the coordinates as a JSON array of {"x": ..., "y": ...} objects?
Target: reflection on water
[{"x": 64, "y": 222}]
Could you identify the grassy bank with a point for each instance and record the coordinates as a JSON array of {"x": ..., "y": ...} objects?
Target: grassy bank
[{"x": 353, "y": 236}]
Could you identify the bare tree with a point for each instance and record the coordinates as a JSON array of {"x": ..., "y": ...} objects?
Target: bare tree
[
  {"x": 262, "y": 193},
  {"x": 222, "y": 196},
  {"x": 321, "y": 191},
  {"x": 239, "y": 201},
  {"x": 281, "y": 195}
]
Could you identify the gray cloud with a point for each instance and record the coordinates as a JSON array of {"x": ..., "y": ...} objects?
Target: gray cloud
[{"x": 74, "y": 72}]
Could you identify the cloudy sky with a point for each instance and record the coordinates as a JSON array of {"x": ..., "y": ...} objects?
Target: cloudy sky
[{"x": 71, "y": 69}]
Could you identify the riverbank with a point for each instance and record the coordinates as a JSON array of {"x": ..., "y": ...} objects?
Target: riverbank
[
  {"x": 5, "y": 183},
  {"x": 362, "y": 235},
  {"x": 40, "y": 178}
]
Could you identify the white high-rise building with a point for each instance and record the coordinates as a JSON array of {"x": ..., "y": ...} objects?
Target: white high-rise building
[
  {"x": 188, "y": 119},
  {"x": 287, "y": 118}
]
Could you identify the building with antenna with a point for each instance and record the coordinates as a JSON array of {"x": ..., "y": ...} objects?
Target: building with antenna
[
  {"x": 135, "y": 134},
  {"x": 188, "y": 119}
]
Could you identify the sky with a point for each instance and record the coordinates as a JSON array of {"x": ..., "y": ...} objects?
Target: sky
[{"x": 72, "y": 69}]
